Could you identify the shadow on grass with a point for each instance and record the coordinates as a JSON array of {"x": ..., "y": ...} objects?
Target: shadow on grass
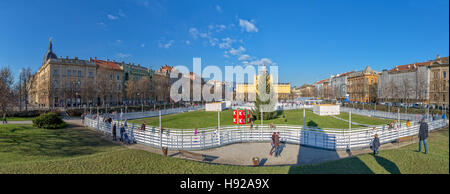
[
  {"x": 387, "y": 164},
  {"x": 24, "y": 140},
  {"x": 311, "y": 124}
]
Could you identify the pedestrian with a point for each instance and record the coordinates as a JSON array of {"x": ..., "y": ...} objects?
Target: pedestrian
[
  {"x": 114, "y": 132},
  {"x": 423, "y": 135},
  {"x": 272, "y": 143},
  {"x": 122, "y": 131},
  {"x": 277, "y": 144},
  {"x": 408, "y": 123},
  {"x": 375, "y": 144},
  {"x": 143, "y": 126},
  {"x": 4, "y": 119}
]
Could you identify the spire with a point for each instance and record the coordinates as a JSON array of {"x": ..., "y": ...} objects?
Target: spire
[{"x": 50, "y": 44}]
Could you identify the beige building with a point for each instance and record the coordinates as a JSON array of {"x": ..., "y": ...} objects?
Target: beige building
[
  {"x": 282, "y": 89},
  {"x": 62, "y": 82},
  {"x": 439, "y": 82}
]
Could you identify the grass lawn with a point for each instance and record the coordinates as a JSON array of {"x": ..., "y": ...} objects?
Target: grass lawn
[
  {"x": 19, "y": 118},
  {"x": 202, "y": 119},
  {"x": 21, "y": 143},
  {"x": 365, "y": 120},
  {"x": 25, "y": 149}
]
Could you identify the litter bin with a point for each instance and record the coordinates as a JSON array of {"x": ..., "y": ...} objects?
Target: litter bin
[
  {"x": 164, "y": 151},
  {"x": 255, "y": 161}
]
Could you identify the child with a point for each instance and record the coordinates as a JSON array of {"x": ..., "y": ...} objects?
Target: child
[{"x": 375, "y": 144}]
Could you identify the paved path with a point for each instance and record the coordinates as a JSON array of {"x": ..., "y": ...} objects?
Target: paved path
[{"x": 292, "y": 154}]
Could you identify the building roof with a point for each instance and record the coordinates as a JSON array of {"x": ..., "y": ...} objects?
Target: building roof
[
  {"x": 166, "y": 68},
  {"x": 107, "y": 64},
  {"x": 49, "y": 54},
  {"x": 321, "y": 81},
  {"x": 409, "y": 67}
]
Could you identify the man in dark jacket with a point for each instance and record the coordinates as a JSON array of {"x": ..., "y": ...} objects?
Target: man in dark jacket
[
  {"x": 375, "y": 144},
  {"x": 122, "y": 131},
  {"x": 114, "y": 132},
  {"x": 423, "y": 135}
]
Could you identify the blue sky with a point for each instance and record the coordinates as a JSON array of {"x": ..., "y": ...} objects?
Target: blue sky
[{"x": 308, "y": 40}]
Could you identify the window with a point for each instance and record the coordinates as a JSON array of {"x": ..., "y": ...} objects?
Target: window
[
  {"x": 444, "y": 74},
  {"x": 56, "y": 84},
  {"x": 79, "y": 73},
  {"x": 55, "y": 72},
  {"x": 111, "y": 76},
  {"x": 91, "y": 74},
  {"x": 69, "y": 73},
  {"x": 118, "y": 77}
]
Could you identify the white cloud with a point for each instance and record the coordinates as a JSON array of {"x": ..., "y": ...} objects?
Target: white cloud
[
  {"x": 213, "y": 41},
  {"x": 188, "y": 42},
  {"x": 244, "y": 57},
  {"x": 121, "y": 13},
  {"x": 218, "y": 8},
  {"x": 194, "y": 32},
  {"x": 122, "y": 55},
  {"x": 142, "y": 45},
  {"x": 263, "y": 61},
  {"x": 112, "y": 17},
  {"x": 226, "y": 43},
  {"x": 238, "y": 51},
  {"x": 166, "y": 45},
  {"x": 247, "y": 25}
]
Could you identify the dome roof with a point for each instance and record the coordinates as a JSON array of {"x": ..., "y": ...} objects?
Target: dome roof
[
  {"x": 368, "y": 69},
  {"x": 49, "y": 54}
]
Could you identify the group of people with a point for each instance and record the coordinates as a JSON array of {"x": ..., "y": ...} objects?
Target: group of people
[
  {"x": 423, "y": 135},
  {"x": 275, "y": 144},
  {"x": 124, "y": 137}
]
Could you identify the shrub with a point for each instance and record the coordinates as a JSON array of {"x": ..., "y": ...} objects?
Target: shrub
[{"x": 49, "y": 121}]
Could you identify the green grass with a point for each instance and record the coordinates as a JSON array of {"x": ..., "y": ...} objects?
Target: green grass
[
  {"x": 365, "y": 120},
  {"x": 202, "y": 119},
  {"x": 47, "y": 151},
  {"x": 27, "y": 143},
  {"x": 19, "y": 118}
]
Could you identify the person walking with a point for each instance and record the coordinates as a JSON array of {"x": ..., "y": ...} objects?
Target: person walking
[
  {"x": 375, "y": 144},
  {"x": 277, "y": 144},
  {"x": 114, "y": 132},
  {"x": 272, "y": 144},
  {"x": 122, "y": 131},
  {"x": 143, "y": 126},
  {"x": 423, "y": 135},
  {"x": 4, "y": 119}
]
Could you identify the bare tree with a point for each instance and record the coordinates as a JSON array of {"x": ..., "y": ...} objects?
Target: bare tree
[
  {"x": 104, "y": 85},
  {"x": 6, "y": 94},
  {"x": 131, "y": 90}
]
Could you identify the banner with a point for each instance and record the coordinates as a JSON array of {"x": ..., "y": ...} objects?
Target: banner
[{"x": 234, "y": 116}]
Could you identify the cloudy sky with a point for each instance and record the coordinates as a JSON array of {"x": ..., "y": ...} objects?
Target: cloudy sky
[{"x": 308, "y": 40}]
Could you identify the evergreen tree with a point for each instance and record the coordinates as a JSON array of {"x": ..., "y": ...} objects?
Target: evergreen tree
[{"x": 256, "y": 111}]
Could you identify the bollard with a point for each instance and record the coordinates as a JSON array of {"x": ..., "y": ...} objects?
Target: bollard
[{"x": 255, "y": 161}]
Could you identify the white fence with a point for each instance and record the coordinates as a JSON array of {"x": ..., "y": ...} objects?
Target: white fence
[
  {"x": 332, "y": 139},
  {"x": 388, "y": 115}
]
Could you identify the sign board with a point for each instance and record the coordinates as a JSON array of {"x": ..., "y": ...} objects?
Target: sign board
[
  {"x": 241, "y": 116},
  {"x": 234, "y": 116}
]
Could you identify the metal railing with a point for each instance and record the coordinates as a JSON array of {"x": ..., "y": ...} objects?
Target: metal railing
[
  {"x": 204, "y": 138},
  {"x": 388, "y": 115}
]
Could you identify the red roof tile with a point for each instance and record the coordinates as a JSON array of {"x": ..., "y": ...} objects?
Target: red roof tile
[
  {"x": 410, "y": 66},
  {"x": 108, "y": 64}
]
